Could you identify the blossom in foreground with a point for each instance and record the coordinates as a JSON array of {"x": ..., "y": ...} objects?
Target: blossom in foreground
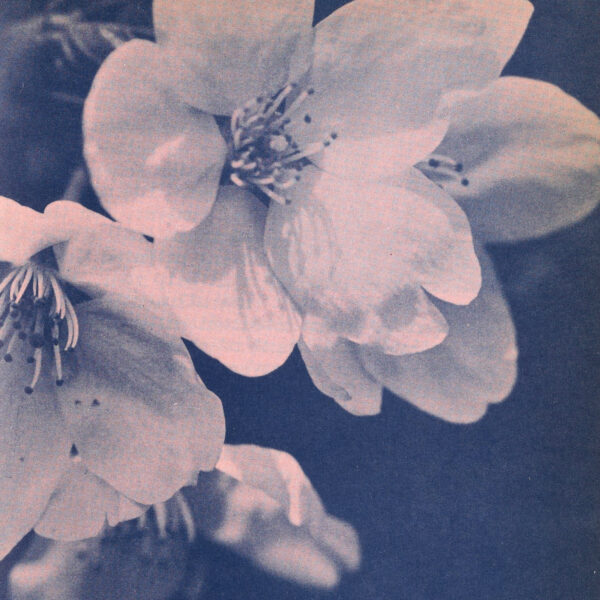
[
  {"x": 101, "y": 408},
  {"x": 368, "y": 138},
  {"x": 257, "y": 501}
]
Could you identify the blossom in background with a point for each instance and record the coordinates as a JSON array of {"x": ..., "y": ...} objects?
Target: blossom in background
[
  {"x": 370, "y": 139},
  {"x": 101, "y": 408},
  {"x": 258, "y": 502}
]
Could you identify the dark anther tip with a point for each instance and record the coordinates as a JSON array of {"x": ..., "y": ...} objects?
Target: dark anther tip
[
  {"x": 432, "y": 162},
  {"x": 464, "y": 182},
  {"x": 458, "y": 167},
  {"x": 55, "y": 341},
  {"x": 8, "y": 357},
  {"x": 307, "y": 119},
  {"x": 30, "y": 359},
  {"x": 28, "y": 389},
  {"x": 59, "y": 382}
]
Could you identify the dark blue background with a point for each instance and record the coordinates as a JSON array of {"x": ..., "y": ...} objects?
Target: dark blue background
[{"x": 506, "y": 509}]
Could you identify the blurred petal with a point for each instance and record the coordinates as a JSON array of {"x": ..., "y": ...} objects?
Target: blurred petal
[
  {"x": 381, "y": 67},
  {"x": 81, "y": 505},
  {"x": 356, "y": 255},
  {"x": 334, "y": 365},
  {"x": 223, "y": 290},
  {"x": 102, "y": 256},
  {"x": 261, "y": 503},
  {"x": 140, "y": 416},
  {"x": 100, "y": 569},
  {"x": 474, "y": 366},
  {"x": 532, "y": 157},
  {"x": 229, "y": 53},
  {"x": 34, "y": 450},
  {"x": 154, "y": 161}
]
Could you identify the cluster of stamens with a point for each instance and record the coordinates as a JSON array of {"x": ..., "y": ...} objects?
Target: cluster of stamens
[
  {"x": 261, "y": 152},
  {"x": 35, "y": 314},
  {"x": 442, "y": 169}
]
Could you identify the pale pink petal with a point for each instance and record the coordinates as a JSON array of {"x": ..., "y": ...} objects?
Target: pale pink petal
[
  {"x": 101, "y": 256},
  {"x": 154, "y": 162},
  {"x": 228, "y": 53},
  {"x": 334, "y": 365},
  {"x": 260, "y": 503},
  {"x": 357, "y": 254},
  {"x": 139, "y": 415},
  {"x": 381, "y": 67},
  {"x": 34, "y": 450},
  {"x": 531, "y": 154},
  {"x": 24, "y": 231},
  {"x": 222, "y": 288},
  {"x": 473, "y": 367},
  {"x": 81, "y": 505}
]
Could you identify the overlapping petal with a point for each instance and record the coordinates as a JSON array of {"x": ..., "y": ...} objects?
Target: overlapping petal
[
  {"x": 139, "y": 415},
  {"x": 473, "y": 367},
  {"x": 260, "y": 503},
  {"x": 380, "y": 68},
  {"x": 82, "y": 504},
  {"x": 531, "y": 154},
  {"x": 335, "y": 368},
  {"x": 229, "y": 53},
  {"x": 34, "y": 452},
  {"x": 223, "y": 291},
  {"x": 357, "y": 255},
  {"x": 154, "y": 161},
  {"x": 103, "y": 257}
]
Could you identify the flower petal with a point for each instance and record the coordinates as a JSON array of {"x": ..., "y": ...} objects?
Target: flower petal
[
  {"x": 381, "y": 67},
  {"x": 334, "y": 365},
  {"x": 140, "y": 417},
  {"x": 34, "y": 450},
  {"x": 229, "y": 53},
  {"x": 531, "y": 154},
  {"x": 474, "y": 366},
  {"x": 154, "y": 161},
  {"x": 223, "y": 291},
  {"x": 101, "y": 256},
  {"x": 260, "y": 503},
  {"x": 81, "y": 506},
  {"x": 356, "y": 255},
  {"x": 25, "y": 232}
]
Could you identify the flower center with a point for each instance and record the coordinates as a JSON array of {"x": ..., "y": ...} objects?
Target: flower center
[
  {"x": 262, "y": 153},
  {"x": 36, "y": 314},
  {"x": 442, "y": 169}
]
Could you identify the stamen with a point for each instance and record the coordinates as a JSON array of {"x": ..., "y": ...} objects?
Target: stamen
[
  {"x": 37, "y": 370},
  {"x": 160, "y": 511},
  {"x": 261, "y": 153},
  {"x": 34, "y": 306},
  {"x": 186, "y": 514},
  {"x": 442, "y": 169}
]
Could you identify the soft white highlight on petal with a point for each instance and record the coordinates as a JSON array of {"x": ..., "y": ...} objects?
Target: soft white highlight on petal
[
  {"x": 34, "y": 450},
  {"x": 139, "y": 415},
  {"x": 80, "y": 506},
  {"x": 381, "y": 68},
  {"x": 334, "y": 365},
  {"x": 154, "y": 161},
  {"x": 229, "y": 53},
  {"x": 260, "y": 503},
  {"x": 356, "y": 255},
  {"x": 473, "y": 367},
  {"x": 223, "y": 291},
  {"x": 531, "y": 154}
]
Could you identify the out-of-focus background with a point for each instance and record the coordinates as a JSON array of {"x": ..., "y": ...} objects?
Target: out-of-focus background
[{"x": 506, "y": 509}]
